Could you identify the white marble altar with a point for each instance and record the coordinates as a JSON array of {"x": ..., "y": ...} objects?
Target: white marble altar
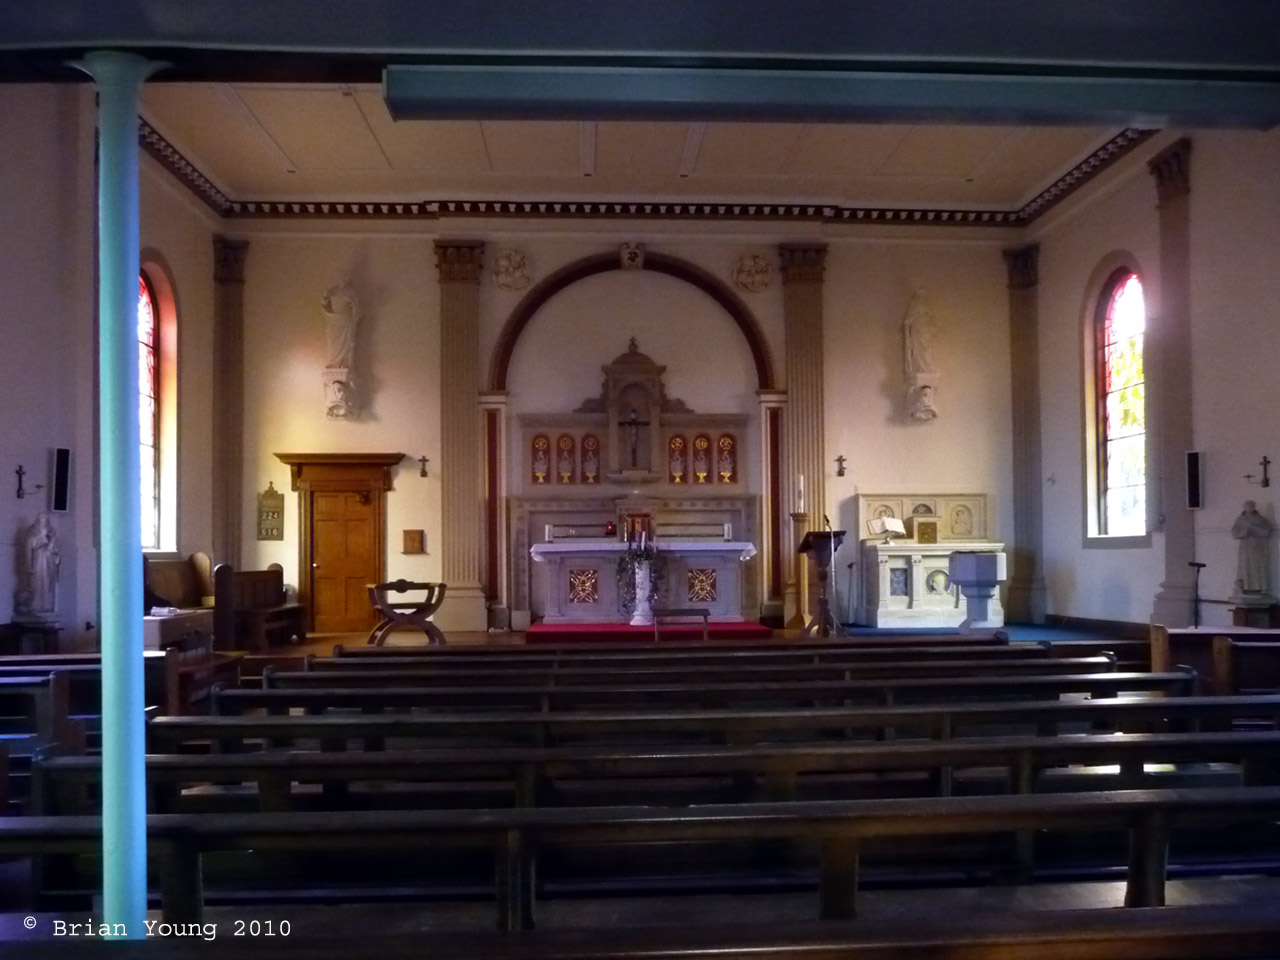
[
  {"x": 908, "y": 584},
  {"x": 581, "y": 578}
]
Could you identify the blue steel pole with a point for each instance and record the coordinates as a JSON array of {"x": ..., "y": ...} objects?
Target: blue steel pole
[{"x": 119, "y": 78}]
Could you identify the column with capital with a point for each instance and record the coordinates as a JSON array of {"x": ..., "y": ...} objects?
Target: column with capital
[
  {"x": 1026, "y": 603},
  {"x": 1167, "y": 362},
  {"x": 227, "y": 375},
  {"x": 461, "y": 469},
  {"x": 803, "y": 472}
]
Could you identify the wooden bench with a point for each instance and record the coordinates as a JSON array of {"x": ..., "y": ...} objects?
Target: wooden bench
[
  {"x": 674, "y": 646},
  {"x": 250, "y": 609},
  {"x": 543, "y": 697},
  {"x": 182, "y": 583},
  {"x": 338, "y": 731},
  {"x": 534, "y": 776},
  {"x": 369, "y": 673},
  {"x": 682, "y": 613},
  {"x": 176, "y": 680},
  {"x": 1246, "y": 931},
  {"x": 515, "y": 837},
  {"x": 1193, "y": 646},
  {"x": 686, "y": 659}
]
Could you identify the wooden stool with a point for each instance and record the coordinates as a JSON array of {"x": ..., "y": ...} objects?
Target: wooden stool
[
  {"x": 405, "y": 612},
  {"x": 660, "y": 613}
]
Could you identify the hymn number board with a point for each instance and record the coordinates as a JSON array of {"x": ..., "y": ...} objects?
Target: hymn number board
[{"x": 271, "y": 514}]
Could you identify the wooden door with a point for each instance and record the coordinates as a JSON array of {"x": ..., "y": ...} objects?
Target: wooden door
[
  {"x": 344, "y": 559},
  {"x": 341, "y": 534}
]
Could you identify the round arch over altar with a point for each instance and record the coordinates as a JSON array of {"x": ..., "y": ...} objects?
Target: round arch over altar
[{"x": 589, "y": 266}]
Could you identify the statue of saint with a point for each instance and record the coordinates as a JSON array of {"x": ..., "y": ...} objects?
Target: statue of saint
[
  {"x": 37, "y": 597},
  {"x": 341, "y": 320},
  {"x": 1253, "y": 530},
  {"x": 919, "y": 331}
]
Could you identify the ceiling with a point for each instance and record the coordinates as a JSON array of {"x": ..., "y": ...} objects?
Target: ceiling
[{"x": 338, "y": 142}]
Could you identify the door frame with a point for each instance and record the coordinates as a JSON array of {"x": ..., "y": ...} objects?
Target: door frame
[{"x": 338, "y": 473}]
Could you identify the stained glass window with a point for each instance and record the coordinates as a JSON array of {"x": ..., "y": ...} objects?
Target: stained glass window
[
  {"x": 149, "y": 413},
  {"x": 1122, "y": 410}
]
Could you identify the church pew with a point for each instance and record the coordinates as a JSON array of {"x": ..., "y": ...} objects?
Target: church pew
[
  {"x": 175, "y": 680},
  {"x": 543, "y": 697},
  {"x": 1200, "y": 932},
  {"x": 688, "y": 658},
  {"x": 532, "y": 776},
  {"x": 35, "y": 713},
  {"x": 1193, "y": 647},
  {"x": 339, "y": 731},
  {"x": 676, "y": 646},
  {"x": 370, "y": 673},
  {"x": 834, "y": 829},
  {"x": 1242, "y": 666}
]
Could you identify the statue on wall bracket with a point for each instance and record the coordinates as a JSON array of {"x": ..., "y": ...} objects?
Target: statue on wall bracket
[
  {"x": 341, "y": 311},
  {"x": 919, "y": 335}
]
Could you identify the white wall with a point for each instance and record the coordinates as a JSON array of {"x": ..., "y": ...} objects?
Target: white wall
[
  {"x": 868, "y": 286},
  {"x": 1235, "y": 230},
  {"x": 1235, "y": 311},
  {"x": 1094, "y": 582},
  {"x": 397, "y": 369},
  {"x": 47, "y": 316}
]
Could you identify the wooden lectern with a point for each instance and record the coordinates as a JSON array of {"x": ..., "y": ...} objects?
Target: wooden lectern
[{"x": 821, "y": 545}]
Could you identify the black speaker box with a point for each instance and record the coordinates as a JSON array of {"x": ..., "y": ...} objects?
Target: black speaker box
[
  {"x": 1195, "y": 480},
  {"x": 60, "y": 488}
]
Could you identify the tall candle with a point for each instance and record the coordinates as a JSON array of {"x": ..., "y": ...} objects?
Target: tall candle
[
  {"x": 643, "y": 537},
  {"x": 799, "y": 493}
]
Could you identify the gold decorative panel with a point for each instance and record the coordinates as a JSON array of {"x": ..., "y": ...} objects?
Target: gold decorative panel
[
  {"x": 702, "y": 585},
  {"x": 584, "y": 586}
]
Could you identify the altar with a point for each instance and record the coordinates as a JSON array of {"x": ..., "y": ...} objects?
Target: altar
[{"x": 580, "y": 582}]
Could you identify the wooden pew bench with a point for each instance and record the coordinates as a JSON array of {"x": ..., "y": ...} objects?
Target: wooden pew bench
[
  {"x": 543, "y": 697},
  {"x": 536, "y": 776},
  {"x": 1241, "y": 666},
  {"x": 176, "y": 680},
  {"x": 517, "y": 836},
  {"x": 369, "y": 673},
  {"x": 647, "y": 648},
  {"x": 690, "y": 659},
  {"x": 340, "y": 731},
  {"x": 251, "y": 610}
]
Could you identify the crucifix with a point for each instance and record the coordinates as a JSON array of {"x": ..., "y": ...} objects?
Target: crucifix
[
  {"x": 22, "y": 493},
  {"x": 633, "y": 425},
  {"x": 423, "y": 471}
]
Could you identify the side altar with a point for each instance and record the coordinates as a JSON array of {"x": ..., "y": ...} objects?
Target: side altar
[
  {"x": 582, "y": 578},
  {"x": 906, "y": 577}
]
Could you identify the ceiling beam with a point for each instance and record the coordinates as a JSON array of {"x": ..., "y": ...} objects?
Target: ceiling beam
[{"x": 439, "y": 92}]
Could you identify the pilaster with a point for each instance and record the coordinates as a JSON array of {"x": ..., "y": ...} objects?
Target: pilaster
[
  {"x": 227, "y": 377},
  {"x": 1026, "y": 592},
  {"x": 461, "y": 437},
  {"x": 803, "y": 474},
  {"x": 1168, "y": 355}
]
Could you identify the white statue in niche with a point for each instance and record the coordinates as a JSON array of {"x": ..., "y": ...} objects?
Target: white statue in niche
[
  {"x": 511, "y": 270},
  {"x": 341, "y": 311},
  {"x": 919, "y": 336},
  {"x": 36, "y": 599}
]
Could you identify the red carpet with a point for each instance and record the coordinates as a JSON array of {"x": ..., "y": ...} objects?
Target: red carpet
[{"x": 613, "y": 632}]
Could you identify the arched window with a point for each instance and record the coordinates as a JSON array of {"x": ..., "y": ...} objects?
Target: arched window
[
  {"x": 1120, "y": 406},
  {"x": 149, "y": 411}
]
